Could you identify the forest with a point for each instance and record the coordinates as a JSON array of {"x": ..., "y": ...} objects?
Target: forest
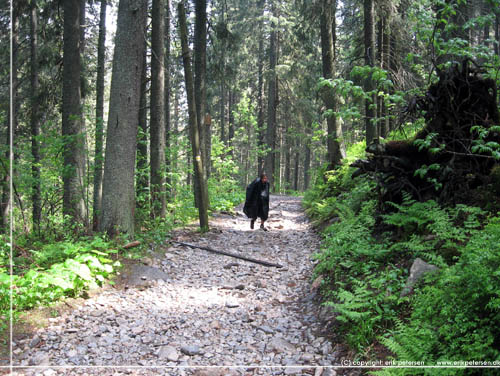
[{"x": 132, "y": 118}]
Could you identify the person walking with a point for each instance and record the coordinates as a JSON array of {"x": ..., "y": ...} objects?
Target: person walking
[{"x": 257, "y": 201}]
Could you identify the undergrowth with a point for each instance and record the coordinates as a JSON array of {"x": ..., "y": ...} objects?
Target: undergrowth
[
  {"x": 56, "y": 270},
  {"x": 365, "y": 259}
]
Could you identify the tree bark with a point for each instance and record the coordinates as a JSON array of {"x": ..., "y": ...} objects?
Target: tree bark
[
  {"x": 307, "y": 155},
  {"x": 201, "y": 192},
  {"x": 11, "y": 121},
  {"x": 200, "y": 67},
  {"x": 223, "y": 106},
  {"x": 230, "y": 125},
  {"x": 271, "y": 106},
  {"x": 176, "y": 132},
  {"x": 497, "y": 32},
  {"x": 84, "y": 88},
  {"x": 260, "y": 105},
  {"x": 260, "y": 92},
  {"x": 335, "y": 143},
  {"x": 157, "y": 125},
  {"x": 73, "y": 129},
  {"x": 369, "y": 39},
  {"x": 297, "y": 164},
  {"x": 385, "y": 61},
  {"x": 168, "y": 118},
  {"x": 142, "y": 184},
  {"x": 35, "y": 120},
  {"x": 485, "y": 10},
  {"x": 287, "y": 146},
  {"x": 222, "y": 64},
  {"x": 118, "y": 200},
  {"x": 200, "y": 73},
  {"x": 99, "y": 115}
]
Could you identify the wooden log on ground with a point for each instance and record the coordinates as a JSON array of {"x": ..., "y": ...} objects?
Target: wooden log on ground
[{"x": 241, "y": 257}]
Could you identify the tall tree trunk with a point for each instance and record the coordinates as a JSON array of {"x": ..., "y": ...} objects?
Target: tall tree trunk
[
  {"x": 271, "y": 106},
  {"x": 207, "y": 128},
  {"x": 83, "y": 73},
  {"x": 175, "y": 134},
  {"x": 168, "y": 118},
  {"x": 307, "y": 155},
  {"x": 201, "y": 191},
  {"x": 222, "y": 65},
  {"x": 142, "y": 184},
  {"x": 200, "y": 67},
  {"x": 99, "y": 115},
  {"x": 11, "y": 122},
  {"x": 223, "y": 106},
  {"x": 230, "y": 128},
  {"x": 393, "y": 62},
  {"x": 35, "y": 120},
  {"x": 297, "y": 163},
  {"x": 369, "y": 38},
  {"x": 260, "y": 91},
  {"x": 73, "y": 130},
  {"x": 157, "y": 125},
  {"x": 335, "y": 143},
  {"x": 83, "y": 90},
  {"x": 287, "y": 145},
  {"x": 497, "y": 32},
  {"x": 385, "y": 61},
  {"x": 118, "y": 199},
  {"x": 200, "y": 73},
  {"x": 485, "y": 10}
]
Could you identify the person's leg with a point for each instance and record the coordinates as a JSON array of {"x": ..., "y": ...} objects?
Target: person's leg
[
  {"x": 252, "y": 223},
  {"x": 262, "y": 224}
]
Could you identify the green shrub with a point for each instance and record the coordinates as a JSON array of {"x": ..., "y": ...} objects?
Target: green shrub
[
  {"x": 456, "y": 316},
  {"x": 360, "y": 284},
  {"x": 57, "y": 270}
]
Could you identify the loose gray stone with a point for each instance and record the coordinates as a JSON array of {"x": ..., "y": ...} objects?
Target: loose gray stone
[
  {"x": 190, "y": 350},
  {"x": 280, "y": 345},
  {"x": 39, "y": 359},
  {"x": 329, "y": 372},
  {"x": 418, "y": 269},
  {"x": 127, "y": 326},
  {"x": 232, "y": 304},
  {"x": 35, "y": 341},
  {"x": 169, "y": 353},
  {"x": 140, "y": 275},
  {"x": 266, "y": 329}
]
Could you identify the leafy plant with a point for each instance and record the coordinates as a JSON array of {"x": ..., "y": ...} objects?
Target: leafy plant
[{"x": 457, "y": 316}]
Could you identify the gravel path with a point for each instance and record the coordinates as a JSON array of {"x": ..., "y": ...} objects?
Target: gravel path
[{"x": 205, "y": 310}]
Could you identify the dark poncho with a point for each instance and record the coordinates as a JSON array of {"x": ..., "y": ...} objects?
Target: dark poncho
[{"x": 257, "y": 200}]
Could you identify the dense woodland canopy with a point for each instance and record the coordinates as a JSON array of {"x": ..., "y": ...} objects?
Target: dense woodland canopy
[
  {"x": 280, "y": 86},
  {"x": 128, "y": 131}
]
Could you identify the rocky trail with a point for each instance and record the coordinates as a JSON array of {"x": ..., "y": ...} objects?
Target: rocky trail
[{"x": 190, "y": 309}]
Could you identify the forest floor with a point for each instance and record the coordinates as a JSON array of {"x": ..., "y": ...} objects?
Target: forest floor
[{"x": 189, "y": 309}]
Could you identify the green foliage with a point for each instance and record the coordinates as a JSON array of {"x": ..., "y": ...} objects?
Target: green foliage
[
  {"x": 436, "y": 234},
  {"x": 457, "y": 316},
  {"x": 57, "y": 270},
  {"x": 223, "y": 188},
  {"x": 481, "y": 145},
  {"x": 332, "y": 186},
  {"x": 454, "y": 315},
  {"x": 362, "y": 284}
]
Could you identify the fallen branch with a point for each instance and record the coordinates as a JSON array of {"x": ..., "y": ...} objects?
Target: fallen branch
[
  {"x": 135, "y": 243},
  {"x": 255, "y": 261}
]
